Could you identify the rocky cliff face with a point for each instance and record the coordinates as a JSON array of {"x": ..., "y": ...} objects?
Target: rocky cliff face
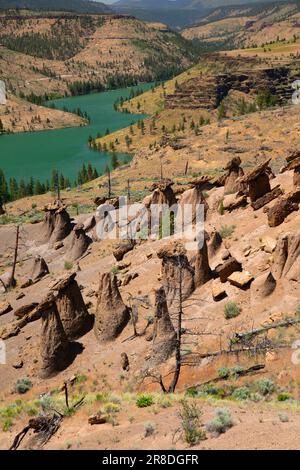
[{"x": 208, "y": 91}]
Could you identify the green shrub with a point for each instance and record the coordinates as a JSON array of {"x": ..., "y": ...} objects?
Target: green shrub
[
  {"x": 227, "y": 230},
  {"x": 192, "y": 427},
  {"x": 231, "y": 310},
  {"x": 224, "y": 372},
  {"x": 68, "y": 265},
  {"x": 241, "y": 393},
  {"x": 115, "y": 270},
  {"x": 221, "y": 422},
  {"x": 191, "y": 392},
  {"x": 265, "y": 387},
  {"x": 23, "y": 385},
  {"x": 144, "y": 400},
  {"x": 7, "y": 424},
  {"x": 283, "y": 396}
]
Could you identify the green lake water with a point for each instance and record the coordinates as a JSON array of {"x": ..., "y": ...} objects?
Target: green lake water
[{"x": 36, "y": 154}]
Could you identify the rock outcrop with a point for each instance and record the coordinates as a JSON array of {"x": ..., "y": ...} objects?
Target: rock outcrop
[
  {"x": 177, "y": 273},
  {"x": 55, "y": 347},
  {"x": 112, "y": 315},
  {"x": 73, "y": 313},
  {"x": 164, "y": 336}
]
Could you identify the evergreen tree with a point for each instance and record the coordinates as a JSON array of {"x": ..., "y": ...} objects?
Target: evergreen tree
[{"x": 3, "y": 187}]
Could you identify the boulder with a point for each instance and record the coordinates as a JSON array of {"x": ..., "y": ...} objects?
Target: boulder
[
  {"x": 234, "y": 201},
  {"x": 240, "y": 279},
  {"x": 218, "y": 290},
  {"x": 121, "y": 248},
  {"x": 278, "y": 213},
  {"x": 112, "y": 315},
  {"x": 25, "y": 310},
  {"x": 5, "y": 308},
  {"x": 262, "y": 201},
  {"x": 229, "y": 266}
]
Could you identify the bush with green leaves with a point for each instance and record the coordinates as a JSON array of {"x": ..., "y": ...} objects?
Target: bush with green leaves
[
  {"x": 283, "y": 396},
  {"x": 227, "y": 230},
  {"x": 221, "y": 422},
  {"x": 265, "y": 387},
  {"x": 192, "y": 427},
  {"x": 241, "y": 393},
  {"x": 23, "y": 385},
  {"x": 144, "y": 400},
  {"x": 231, "y": 310}
]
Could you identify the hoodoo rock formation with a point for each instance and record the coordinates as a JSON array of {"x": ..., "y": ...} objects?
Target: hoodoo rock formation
[
  {"x": 293, "y": 163},
  {"x": 164, "y": 336},
  {"x": 177, "y": 273},
  {"x": 163, "y": 193},
  {"x": 286, "y": 259},
  {"x": 257, "y": 180},
  {"x": 78, "y": 243},
  {"x": 39, "y": 269},
  {"x": 215, "y": 243},
  {"x": 263, "y": 286},
  {"x": 57, "y": 224},
  {"x": 55, "y": 347},
  {"x": 202, "y": 270},
  {"x": 234, "y": 171},
  {"x": 193, "y": 200},
  {"x": 112, "y": 315},
  {"x": 72, "y": 310}
]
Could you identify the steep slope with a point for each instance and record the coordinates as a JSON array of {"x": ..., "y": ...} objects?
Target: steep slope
[
  {"x": 84, "y": 6},
  {"x": 103, "y": 50},
  {"x": 52, "y": 54},
  {"x": 233, "y": 27},
  {"x": 175, "y": 13}
]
